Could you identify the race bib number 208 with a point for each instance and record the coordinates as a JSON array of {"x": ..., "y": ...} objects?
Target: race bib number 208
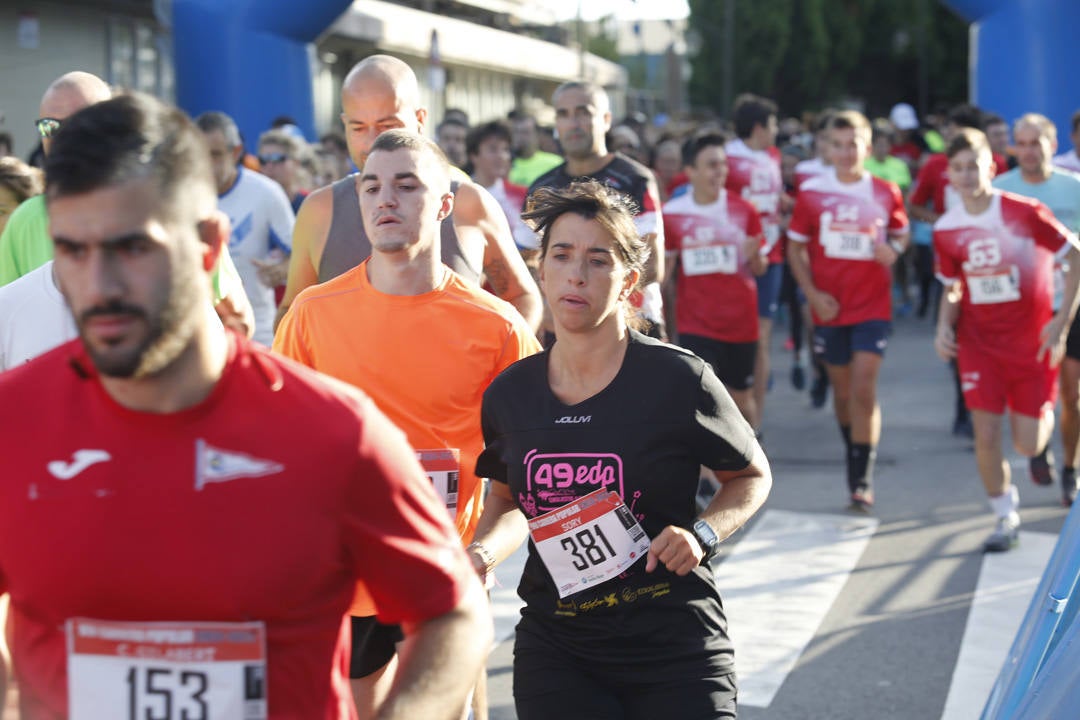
[{"x": 166, "y": 671}]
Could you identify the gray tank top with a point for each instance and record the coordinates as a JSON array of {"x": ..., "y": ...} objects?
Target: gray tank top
[{"x": 347, "y": 243}]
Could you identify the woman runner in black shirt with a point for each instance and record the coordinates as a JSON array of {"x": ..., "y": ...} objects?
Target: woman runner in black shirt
[{"x": 594, "y": 448}]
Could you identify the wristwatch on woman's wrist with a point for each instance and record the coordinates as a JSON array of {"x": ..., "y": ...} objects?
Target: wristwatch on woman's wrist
[
  {"x": 485, "y": 556},
  {"x": 707, "y": 538}
]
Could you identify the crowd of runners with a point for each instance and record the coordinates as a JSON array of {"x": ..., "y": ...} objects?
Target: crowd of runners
[{"x": 312, "y": 397}]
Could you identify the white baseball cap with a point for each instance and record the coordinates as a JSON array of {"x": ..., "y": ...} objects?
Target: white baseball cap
[{"x": 903, "y": 117}]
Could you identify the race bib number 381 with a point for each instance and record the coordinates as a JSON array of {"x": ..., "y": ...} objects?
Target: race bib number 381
[
  {"x": 166, "y": 671},
  {"x": 588, "y": 541}
]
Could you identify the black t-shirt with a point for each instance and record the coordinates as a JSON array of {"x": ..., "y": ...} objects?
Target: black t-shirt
[
  {"x": 627, "y": 176},
  {"x": 645, "y": 436}
]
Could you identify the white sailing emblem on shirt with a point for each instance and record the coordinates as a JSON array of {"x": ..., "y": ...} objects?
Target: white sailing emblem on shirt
[{"x": 215, "y": 465}]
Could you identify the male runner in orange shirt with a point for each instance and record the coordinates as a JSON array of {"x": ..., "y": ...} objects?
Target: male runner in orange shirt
[{"x": 420, "y": 339}]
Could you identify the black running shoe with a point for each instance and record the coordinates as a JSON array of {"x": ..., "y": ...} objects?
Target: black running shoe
[
  {"x": 819, "y": 392},
  {"x": 798, "y": 376},
  {"x": 1042, "y": 467},
  {"x": 963, "y": 428},
  {"x": 1068, "y": 487}
]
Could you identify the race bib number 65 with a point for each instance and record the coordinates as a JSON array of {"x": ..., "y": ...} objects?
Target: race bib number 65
[
  {"x": 166, "y": 671},
  {"x": 588, "y": 541}
]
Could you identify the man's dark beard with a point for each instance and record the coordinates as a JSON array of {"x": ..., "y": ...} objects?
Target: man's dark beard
[{"x": 168, "y": 334}]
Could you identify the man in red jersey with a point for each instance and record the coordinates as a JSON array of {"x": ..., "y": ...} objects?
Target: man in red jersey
[
  {"x": 995, "y": 255},
  {"x": 847, "y": 230},
  {"x": 754, "y": 174},
  {"x": 716, "y": 244},
  {"x": 216, "y": 554},
  {"x": 928, "y": 199}
]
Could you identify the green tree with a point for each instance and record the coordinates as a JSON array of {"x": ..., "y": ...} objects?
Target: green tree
[
  {"x": 761, "y": 34},
  {"x": 809, "y": 54}
]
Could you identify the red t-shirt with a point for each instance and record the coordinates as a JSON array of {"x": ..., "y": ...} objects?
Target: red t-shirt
[
  {"x": 932, "y": 183},
  {"x": 841, "y": 224},
  {"x": 755, "y": 176},
  {"x": 265, "y": 502},
  {"x": 909, "y": 152},
  {"x": 716, "y": 293},
  {"x": 809, "y": 169},
  {"x": 1004, "y": 258}
]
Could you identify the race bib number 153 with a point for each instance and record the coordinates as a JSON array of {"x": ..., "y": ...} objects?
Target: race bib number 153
[{"x": 166, "y": 671}]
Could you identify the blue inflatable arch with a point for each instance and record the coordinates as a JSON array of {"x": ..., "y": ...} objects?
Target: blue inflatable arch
[
  {"x": 1023, "y": 58},
  {"x": 249, "y": 58}
]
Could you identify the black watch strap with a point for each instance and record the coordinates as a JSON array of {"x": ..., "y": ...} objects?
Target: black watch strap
[{"x": 707, "y": 538}]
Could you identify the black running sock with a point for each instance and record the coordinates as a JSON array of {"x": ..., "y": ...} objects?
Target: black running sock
[
  {"x": 1041, "y": 455},
  {"x": 861, "y": 459},
  {"x": 962, "y": 413},
  {"x": 845, "y": 432}
]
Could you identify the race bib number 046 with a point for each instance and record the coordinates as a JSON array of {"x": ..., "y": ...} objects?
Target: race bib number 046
[
  {"x": 588, "y": 541},
  {"x": 166, "y": 671}
]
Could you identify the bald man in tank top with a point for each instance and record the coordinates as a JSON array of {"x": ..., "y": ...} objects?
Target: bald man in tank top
[{"x": 381, "y": 93}]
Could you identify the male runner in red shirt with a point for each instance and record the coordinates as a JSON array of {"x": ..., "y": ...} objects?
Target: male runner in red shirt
[
  {"x": 163, "y": 547},
  {"x": 716, "y": 245},
  {"x": 995, "y": 255},
  {"x": 847, "y": 230}
]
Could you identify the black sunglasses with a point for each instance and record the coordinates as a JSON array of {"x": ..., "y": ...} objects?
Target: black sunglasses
[
  {"x": 47, "y": 126},
  {"x": 273, "y": 158}
]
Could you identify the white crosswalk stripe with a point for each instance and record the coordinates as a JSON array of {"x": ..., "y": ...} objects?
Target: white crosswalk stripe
[
  {"x": 778, "y": 584},
  {"x": 1006, "y": 583}
]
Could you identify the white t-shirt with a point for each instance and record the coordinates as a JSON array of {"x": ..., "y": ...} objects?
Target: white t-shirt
[
  {"x": 34, "y": 318},
  {"x": 1068, "y": 161},
  {"x": 262, "y": 221}
]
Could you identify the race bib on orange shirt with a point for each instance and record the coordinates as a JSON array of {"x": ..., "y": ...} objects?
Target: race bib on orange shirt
[
  {"x": 588, "y": 541},
  {"x": 443, "y": 467},
  {"x": 166, "y": 670}
]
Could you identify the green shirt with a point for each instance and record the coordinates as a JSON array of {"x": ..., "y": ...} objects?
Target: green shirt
[
  {"x": 25, "y": 246},
  {"x": 525, "y": 170},
  {"x": 892, "y": 169},
  {"x": 934, "y": 141}
]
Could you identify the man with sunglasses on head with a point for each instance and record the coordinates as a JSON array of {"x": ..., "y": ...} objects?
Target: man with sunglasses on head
[{"x": 25, "y": 243}]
